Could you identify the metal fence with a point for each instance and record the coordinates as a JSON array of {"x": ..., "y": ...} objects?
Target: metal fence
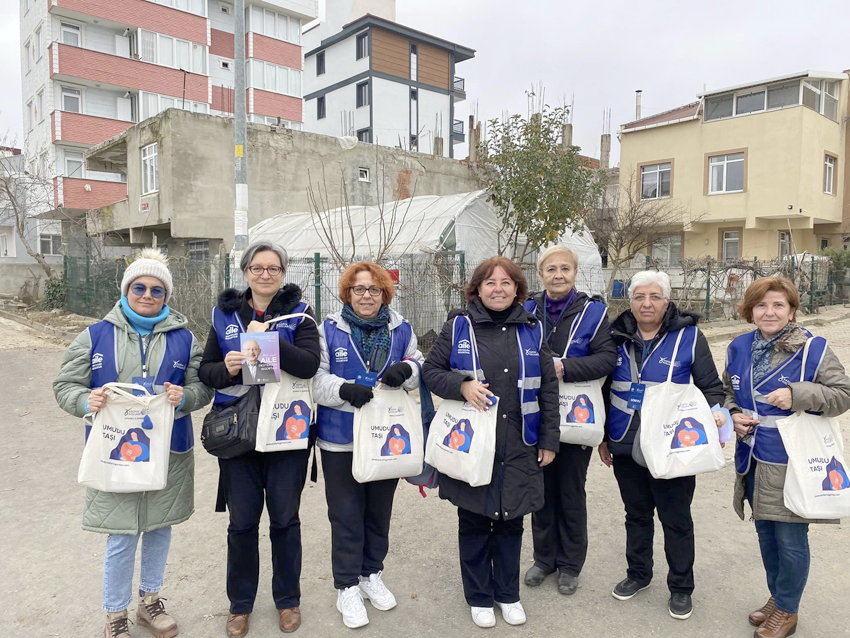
[{"x": 428, "y": 286}]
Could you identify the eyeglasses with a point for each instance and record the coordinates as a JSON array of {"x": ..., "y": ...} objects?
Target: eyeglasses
[
  {"x": 274, "y": 271},
  {"x": 157, "y": 292},
  {"x": 373, "y": 291},
  {"x": 652, "y": 298}
]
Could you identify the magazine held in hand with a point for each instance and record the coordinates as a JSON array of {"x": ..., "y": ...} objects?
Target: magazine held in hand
[{"x": 262, "y": 357}]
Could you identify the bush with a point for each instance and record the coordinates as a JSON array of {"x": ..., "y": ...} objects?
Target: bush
[{"x": 54, "y": 294}]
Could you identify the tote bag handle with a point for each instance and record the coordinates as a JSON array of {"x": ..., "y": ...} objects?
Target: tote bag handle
[
  {"x": 574, "y": 329},
  {"x": 292, "y": 316},
  {"x": 675, "y": 354},
  {"x": 805, "y": 358},
  {"x": 474, "y": 348}
]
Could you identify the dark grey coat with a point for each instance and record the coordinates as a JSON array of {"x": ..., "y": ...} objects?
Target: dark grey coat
[{"x": 516, "y": 488}]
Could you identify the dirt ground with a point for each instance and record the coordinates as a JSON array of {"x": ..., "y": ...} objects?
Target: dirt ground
[{"x": 50, "y": 570}]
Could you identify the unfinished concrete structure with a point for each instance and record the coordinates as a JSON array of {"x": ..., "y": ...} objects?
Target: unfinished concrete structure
[{"x": 179, "y": 168}]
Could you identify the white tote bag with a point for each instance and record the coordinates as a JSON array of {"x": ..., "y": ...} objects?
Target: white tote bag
[
  {"x": 462, "y": 440},
  {"x": 129, "y": 443},
  {"x": 817, "y": 484},
  {"x": 286, "y": 409},
  {"x": 678, "y": 435},
  {"x": 389, "y": 442},
  {"x": 582, "y": 405}
]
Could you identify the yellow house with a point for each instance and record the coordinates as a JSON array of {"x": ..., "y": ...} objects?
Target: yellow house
[{"x": 759, "y": 170}]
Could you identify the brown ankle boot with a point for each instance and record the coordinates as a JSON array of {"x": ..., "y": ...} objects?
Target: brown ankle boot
[
  {"x": 237, "y": 625},
  {"x": 116, "y": 625},
  {"x": 758, "y": 617},
  {"x": 151, "y": 614},
  {"x": 778, "y": 625}
]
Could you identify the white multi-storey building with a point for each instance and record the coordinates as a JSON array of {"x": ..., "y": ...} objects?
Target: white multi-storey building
[{"x": 366, "y": 75}]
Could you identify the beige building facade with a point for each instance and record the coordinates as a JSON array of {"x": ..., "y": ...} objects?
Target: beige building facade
[{"x": 758, "y": 170}]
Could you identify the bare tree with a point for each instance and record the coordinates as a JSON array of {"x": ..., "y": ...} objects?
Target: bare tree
[{"x": 628, "y": 225}]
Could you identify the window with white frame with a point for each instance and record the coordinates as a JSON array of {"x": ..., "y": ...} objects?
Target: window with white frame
[
  {"x": 321, "y": 113},
  {"x": 784, "y": 244},
  {"x": 199, "y": 249},
  {"x": 225, "y": 8},
  {"x": 42, "y": 165},
  {"x": 74, "y": 164},
  {"x": 364, "y": 135},
  {"x": 39, "y": 106},
  {"x": 173, "y": 52},
  {"x": 363, "y": 175},
  {"x": 151, "y": 104},
  {"x": 818, "y": 95},
  {"x": 226, "y": 65},
  {"x": 30, "y": 116},
  {"x": 363, "y": 45},
  {"x": 50, "y": 244},
  {"x": 414, "y": 62},
  {"x": 752, "y": 102},
  {"x": 71, "y": 34},
  {"x": 274, "y": 78},
  {"x": 320, "y": 63},
  {"x": 36, "y": 43},
  {"x": 782, "y": 95},
  {"x": 829, "y": 175},
  {"x": 274, "y": 25},
  {"x": 150, "y": 169},
  {"x": 668, "y": 250},
  {"x": 362, "y": 94},
  {"x": 719, "y": 107},
  {"x": 72, "y": 100},
  {"x": 726, "y": 173},
  {"x": 821, "y": 96},
  {"x": 198, "y": 7},
  {"x": 731, "y": 245},
  {"x": 655, "y": 181},
  {"x": 6, "y": 243},
  {"x": 27, "y": 60}
]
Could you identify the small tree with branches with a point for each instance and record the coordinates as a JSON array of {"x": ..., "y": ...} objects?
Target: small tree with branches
[{"x": 539, "y": 186}]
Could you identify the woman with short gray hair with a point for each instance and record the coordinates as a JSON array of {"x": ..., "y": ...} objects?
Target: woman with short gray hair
[
  {"x": 646, "y": 335},
  {"x": 276, "y": 478}
]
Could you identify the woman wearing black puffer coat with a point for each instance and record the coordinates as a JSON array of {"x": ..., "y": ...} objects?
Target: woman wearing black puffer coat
[{"x": 509, "y": 340}]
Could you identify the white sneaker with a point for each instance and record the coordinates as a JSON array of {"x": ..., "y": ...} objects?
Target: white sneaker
[
  {"x": 483, "y": 616},
  {"x": 376, "y": 592},
  {"x": 349, "y": 603},
  {"x": 513, "y": 613}
]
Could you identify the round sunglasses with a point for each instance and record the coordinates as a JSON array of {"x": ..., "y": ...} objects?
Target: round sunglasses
[{"x": 157, "y": 292}]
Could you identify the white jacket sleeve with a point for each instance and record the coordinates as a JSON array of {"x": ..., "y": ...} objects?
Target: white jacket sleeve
[
  {"x": 413, "y": 353},
  {"x": 326, "y": 385}
]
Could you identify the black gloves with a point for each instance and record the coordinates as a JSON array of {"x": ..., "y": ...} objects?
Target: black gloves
[
  {"x": 356, "y": 394},
  {"x": 397, "y": 374}
]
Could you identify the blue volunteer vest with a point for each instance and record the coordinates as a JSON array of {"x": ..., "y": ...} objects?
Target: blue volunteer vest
[
  {"x": 228, "y": 326},
  {"x": 584, "y": 328},
  {"x": 766, "y": 444},
  {"x": 529, "y": 341},
  {"x": 336, "y": 425},
  {"x": 172, "y": 369},
  {"x": 653, "y": 371}
]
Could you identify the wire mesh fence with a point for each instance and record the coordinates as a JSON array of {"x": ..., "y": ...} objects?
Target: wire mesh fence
[{"x": 428, "y": 286}]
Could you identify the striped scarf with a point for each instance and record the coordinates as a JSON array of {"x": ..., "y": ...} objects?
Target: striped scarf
[{"x": 366, "y": 333}]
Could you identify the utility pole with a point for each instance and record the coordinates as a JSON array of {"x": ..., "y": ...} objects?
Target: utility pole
[{"x": 240, "y": 142}]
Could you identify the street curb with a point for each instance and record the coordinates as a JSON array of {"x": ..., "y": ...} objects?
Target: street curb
[
  {"x": 717, "y": 335},
  {"x": 70, "y": 336}
]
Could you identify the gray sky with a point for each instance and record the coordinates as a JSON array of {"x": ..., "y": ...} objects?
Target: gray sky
[{"x": 598, "y": 51}]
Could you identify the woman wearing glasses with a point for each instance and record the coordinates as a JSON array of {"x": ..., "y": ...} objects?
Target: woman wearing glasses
[
  {"x": 276, "y": 478},
  {"x": 365, "y": 343},
  {"x": 140, "y": 341}
]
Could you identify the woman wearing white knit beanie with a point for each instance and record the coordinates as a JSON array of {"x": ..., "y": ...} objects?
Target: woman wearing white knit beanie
[{"x": 142, "y": 341}]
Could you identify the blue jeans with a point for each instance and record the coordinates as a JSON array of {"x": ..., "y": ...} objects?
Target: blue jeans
[
  {"x": 119, "y": 560},
  {"x": 785, "y": 555}
]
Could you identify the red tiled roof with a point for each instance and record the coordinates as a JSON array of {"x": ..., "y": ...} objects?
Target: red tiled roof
[
  {"x": 590, "y": 162},
  {"x": 688, "y": 111}
]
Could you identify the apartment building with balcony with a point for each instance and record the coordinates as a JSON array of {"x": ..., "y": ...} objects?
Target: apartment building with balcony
[
  {"x": 367, "y": 76},
  {"x": 759, "y": 169},
  {"x": 93, "y": 68}
]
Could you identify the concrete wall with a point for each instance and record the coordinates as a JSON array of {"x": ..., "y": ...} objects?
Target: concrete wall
[
  {"x": 784, "y": 167},
  {"x": 14, "y": 276},
  {"x": 195, "y": 198}
]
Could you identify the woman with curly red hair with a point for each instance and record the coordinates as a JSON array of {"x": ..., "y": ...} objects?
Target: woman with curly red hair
[{"x": 364, "y": 343}]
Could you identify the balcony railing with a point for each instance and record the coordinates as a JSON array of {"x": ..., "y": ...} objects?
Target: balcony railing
[
  {"x": 457, "y": 128},
  {"x": 87, "y": 194},
  {"x": 459, "y": 85}
]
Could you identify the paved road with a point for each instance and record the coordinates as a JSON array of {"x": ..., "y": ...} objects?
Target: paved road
[{"x": 50, "y": 570}]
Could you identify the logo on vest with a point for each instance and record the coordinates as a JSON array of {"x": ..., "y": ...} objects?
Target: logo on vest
[
  {"x": 736, "y": 382},
  {"x": 619, "y": 360},
  {"x": 341, "y": 355},
  {"x": 464, "y": 347},
  {"x": 232, "y": 332},
  {"x": 577, "y": 341},
  {"x": 530, "y": 352},
  {"x": 784, "y": 379},
  {"x": 96, "y": 361},
  {"x": 665, "y": 361},
  {"x": 179, "y": 366}
]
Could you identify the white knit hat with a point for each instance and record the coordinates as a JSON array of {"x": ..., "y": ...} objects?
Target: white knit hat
[{"x": 150, "y": 263}]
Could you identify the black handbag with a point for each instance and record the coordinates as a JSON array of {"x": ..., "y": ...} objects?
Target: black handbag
[{"x": 230, "y": 429}]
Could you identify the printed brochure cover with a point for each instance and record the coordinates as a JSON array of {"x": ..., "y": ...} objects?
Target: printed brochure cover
[{"x": 262, "y": 357}]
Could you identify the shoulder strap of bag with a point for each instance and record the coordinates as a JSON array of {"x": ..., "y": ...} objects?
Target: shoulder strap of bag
[
  {"x": 292, "y": 316},
  {"x": 574, "y": 329},
  {"x": 675, "y": 354},
  {"x": 119, "y": 389},
  {"x": 805, "y": 358},
  {"x": 474, "y": 347}
]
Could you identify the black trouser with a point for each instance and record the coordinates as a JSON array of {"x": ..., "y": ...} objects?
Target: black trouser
[
  {"x": 277, "y": 477},
  {"x": 360, "y": 520},
  {"x": 560, "y": 528},
  {"x": 643, "y": 494},
  {"x": 489, "y": 558}
]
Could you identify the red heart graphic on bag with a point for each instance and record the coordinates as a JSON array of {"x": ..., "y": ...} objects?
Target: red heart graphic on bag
[
  {"x": 687, "y": 438},
  {"x": 130, "y": 452},
  {"x": 396, "y": 446},
  {"x": 582, "y": 414},
  {"x": 457, "y": 440}
]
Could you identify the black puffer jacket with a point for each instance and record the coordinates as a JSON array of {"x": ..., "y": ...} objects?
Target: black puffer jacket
[
  {"x": 300, "y": 359},
  {"x": 603, "y": 353},
  {"x": 625, "y": 330},
  {"x": 516, "y": 488}
]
